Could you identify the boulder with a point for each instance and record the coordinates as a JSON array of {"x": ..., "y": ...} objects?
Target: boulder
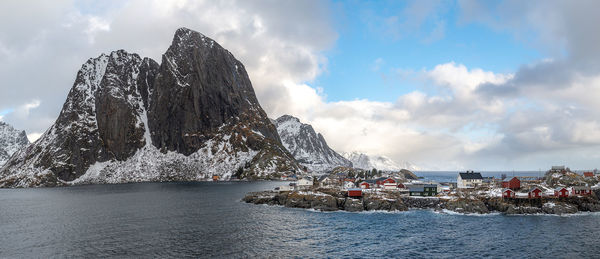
[
  {"x": 324, "y": 203},
  {"x": 559, "y": 208},
  {"x": 512, "y": 209},
  {"x": 353, "y": 205}
]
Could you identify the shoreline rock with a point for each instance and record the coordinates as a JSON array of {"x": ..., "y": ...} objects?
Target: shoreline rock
[{"x": 335, "y": 200}]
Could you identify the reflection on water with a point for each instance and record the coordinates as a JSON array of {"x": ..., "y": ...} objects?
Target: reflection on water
[{"x": 208, "y": 220}]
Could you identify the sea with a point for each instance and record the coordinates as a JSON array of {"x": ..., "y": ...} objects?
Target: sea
[{"x": 209, "y": 220}]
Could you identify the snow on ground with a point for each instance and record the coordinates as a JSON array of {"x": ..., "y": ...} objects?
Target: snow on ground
[
  {"x": 149, "y": 164},
  {"x": 492, "y": 192}
]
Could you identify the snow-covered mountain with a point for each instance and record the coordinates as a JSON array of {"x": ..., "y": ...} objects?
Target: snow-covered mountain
[
  {"x": 379, "y": 162},
  {"x": 308, "y": 147},
  {"x": 129, "y": 119},
  {"x": 11, "y": 140}
]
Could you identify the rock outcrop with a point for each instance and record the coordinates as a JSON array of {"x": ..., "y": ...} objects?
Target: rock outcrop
[
  {"x": 332, "y": 200},
  {"x": 129, "y": 119}
]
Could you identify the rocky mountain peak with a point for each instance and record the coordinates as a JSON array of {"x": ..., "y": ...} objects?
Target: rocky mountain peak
[
  {"x": 200, "y": 86},
  {"x": 285, "y": 118},
  {"x": 11, "y": 140},
  {"x": 307, "y": 146}
]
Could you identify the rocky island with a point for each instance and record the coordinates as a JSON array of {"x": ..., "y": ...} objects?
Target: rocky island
[
  {"x": 333, "y": 200},
  {"x": 565, "y": 192}
]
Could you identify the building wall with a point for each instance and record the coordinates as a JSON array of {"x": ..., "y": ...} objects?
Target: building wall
[{"x": 467, "y": 183}]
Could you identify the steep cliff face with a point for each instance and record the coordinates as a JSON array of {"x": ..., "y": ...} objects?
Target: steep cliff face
[
  {"x": 11, "y": 140},
  {"x": 308, "y": 147},
  {"x": 129, "y": 119},
  {"x": 199, "y": 89},
  {"x": 101, "y": 120}
]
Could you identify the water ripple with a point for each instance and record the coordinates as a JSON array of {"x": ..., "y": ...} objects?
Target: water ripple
[{"x": 208, "y": 220}]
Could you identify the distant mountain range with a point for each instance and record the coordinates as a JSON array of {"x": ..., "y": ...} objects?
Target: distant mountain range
[
  {"x": 308, "y": 147},
  {"x": 11, "y": 140},
  {"x": 379, "y": 162},
  {"x": 130, "y": 119}
]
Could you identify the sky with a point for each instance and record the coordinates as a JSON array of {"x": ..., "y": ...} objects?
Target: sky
[{"x": 445, "y": 85}]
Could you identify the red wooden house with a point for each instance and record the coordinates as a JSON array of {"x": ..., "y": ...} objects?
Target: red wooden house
[
  {"x": 365, "y": 185},
  {"x": 581, "y": 190},
  {"x": 508, "y": 193},
  {"x": 513, "y": 183},
  {"x": 389, "y": 180},
  {"x": 382, "y": 181},
  {"x": 355, "y": 193},
  {"x": 588, "y": 174},
  {"x": 561, "y": 192},
  {"x": 535, "y": 193}
]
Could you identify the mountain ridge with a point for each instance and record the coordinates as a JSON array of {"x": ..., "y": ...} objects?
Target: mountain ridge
[
  {"x": 379, "y": 162},
  {"x": 307, "y": 146},
  {"x": 130, "y": 119}
]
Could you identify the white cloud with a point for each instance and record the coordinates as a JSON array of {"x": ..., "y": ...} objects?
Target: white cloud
[
  {"x": 24, "y": 110},
  {"x": 462, "y": 80}
]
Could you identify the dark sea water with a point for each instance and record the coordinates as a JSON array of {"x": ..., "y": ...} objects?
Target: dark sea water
[{"x": 162, "y": 220}]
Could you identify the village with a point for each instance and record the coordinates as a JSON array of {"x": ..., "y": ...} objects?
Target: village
[{"x": 559, "y": 191}]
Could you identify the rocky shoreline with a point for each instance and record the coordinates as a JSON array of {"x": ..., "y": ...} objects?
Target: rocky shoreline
[{"x": 333, "y": 200}]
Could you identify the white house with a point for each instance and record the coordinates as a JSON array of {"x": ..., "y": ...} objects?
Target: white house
[
  {"x": 286, "y": 188},
  {"x": 349, "y": 185},
  {"x": 468, "y": 180},
  {"x": 326, "y": 180},
  {"x": 304, "y": 183},
  {"x": 390, "y": 186}
]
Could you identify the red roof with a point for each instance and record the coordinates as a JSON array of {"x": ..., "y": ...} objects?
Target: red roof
[
  {"x": 514, "y": 183},
  {"x": 389, "y": 180},
  {"x": 588, "y": 174}
]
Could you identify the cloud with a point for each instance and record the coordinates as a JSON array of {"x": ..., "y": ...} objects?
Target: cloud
[
  {"x": 24, "y": 110},
  {"x": 418, "y": 126},
  {"x": 557, "y": 112}
]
